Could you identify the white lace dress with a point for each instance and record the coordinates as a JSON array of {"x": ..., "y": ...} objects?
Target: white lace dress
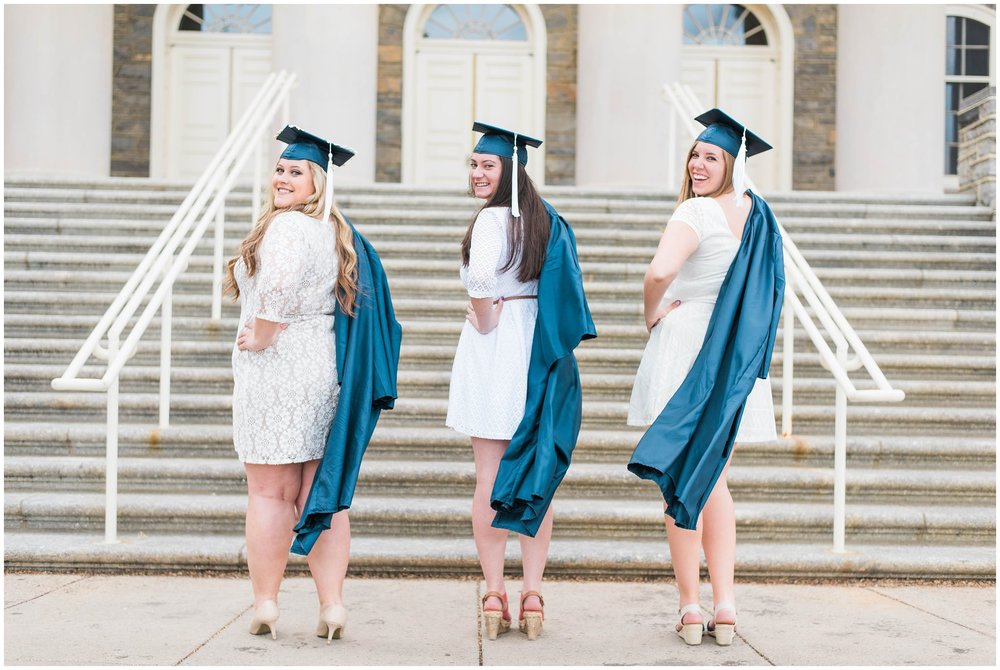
[
  {"x": 489, "y": 378},
  {"x": 674, "y": 343},
  {"x": 284, "y": 396}
]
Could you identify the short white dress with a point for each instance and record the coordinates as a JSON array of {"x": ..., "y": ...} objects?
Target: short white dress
[
  {"x": 489, "y": 378},
  {"x": 675, "y": 342},
  {"x": 285, "y": 396}
]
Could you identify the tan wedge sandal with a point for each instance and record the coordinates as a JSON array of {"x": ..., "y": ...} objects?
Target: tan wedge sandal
[
  {"x": 497, "y": 621},
  {"x": 723, "y": 632},
  {"x": 530, "y": 621},
  {"x": 690, "y": 632}
]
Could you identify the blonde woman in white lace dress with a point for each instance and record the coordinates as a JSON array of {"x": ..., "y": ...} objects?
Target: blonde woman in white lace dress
[
  {"x": 502, "y": 258},
  {"x": 295, "y": 264}
]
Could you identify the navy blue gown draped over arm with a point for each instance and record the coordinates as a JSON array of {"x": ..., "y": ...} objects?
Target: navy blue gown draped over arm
[
  {"x": 686, "y": 448},
  {"x": 367, "y": 360},
  {"x": 539, "y": 452}
]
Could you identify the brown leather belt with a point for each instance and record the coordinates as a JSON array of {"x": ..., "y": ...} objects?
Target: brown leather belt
[{"x": 517, "y": 297}]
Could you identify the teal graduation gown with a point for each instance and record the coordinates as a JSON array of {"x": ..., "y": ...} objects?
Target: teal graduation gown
[
  {"x": 367, "y": 360},
  {"x": 686, "y": 448},
  {"x": 538, "y": 455}
]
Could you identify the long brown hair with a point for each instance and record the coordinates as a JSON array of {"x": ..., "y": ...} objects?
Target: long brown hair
[
  {"x": 347, "y": 267},
  {"x": 526, "y": 242},
  {"x": 727, "y": 179}
]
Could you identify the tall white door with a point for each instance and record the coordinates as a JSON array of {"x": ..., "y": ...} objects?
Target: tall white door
[
  {"x": 210, "y": 88},
  {"x": 456, "y": 89},
  {"x": 745, "y": 88}
]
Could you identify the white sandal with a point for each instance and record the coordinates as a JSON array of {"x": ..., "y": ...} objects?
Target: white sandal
[
  {"x": 690, "y": 632},
  {"x": 722, "y": 632}
]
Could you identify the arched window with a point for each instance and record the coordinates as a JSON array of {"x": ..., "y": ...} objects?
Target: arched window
[
  {"x": 967, "y": 70},
  {"x": 475, "y": 22},
  {"x": 722, "y": 25},
  {"x": 240, "y": 19}
]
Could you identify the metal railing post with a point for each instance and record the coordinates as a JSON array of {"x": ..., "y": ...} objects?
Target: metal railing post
[
  {"x": 840, "y": 461},
  {"x": 220, "y": 239},
  {"x": 166, "y": 334},
  {"x": 787, "y": 361},
  {"x": 258, "y": 177},
  {"x": 111, "y": 456}
]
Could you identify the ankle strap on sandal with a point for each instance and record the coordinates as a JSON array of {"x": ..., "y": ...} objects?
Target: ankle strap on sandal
[
  {"x": 725, "y": 605},
  {"x": 502, "y": 597},
  {"x": 689, "y": 608},
  {"x": 527, "y": 594}
]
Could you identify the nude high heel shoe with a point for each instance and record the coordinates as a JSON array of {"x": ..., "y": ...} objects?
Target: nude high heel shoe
[
  {"x": 497, "y": 621},
  {"x": 530, "y": 621},
  {"x": 690, "y": 632},
  {"x": 723, "y": 632},
  {"x": 332, "y": 621},
  {"x": 264, "y": 618}
]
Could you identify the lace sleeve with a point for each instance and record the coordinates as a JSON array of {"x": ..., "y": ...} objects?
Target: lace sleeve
[
  {"x": 281, "y": 257},
  {"x": 484, "y": 255},
  {"x": 691, "y": 212}
]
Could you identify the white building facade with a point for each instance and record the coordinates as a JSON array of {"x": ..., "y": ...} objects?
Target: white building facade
[{"x": 853, "y": 97}]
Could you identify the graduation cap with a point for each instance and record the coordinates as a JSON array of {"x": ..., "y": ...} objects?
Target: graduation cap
[
  {"x": 502, "y": 142},
  {"x": 735, "y": 139},
  {"x": 306, "y": 146}
]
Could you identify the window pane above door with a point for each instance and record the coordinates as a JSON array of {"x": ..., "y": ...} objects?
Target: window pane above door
[{"x": 475, "y": 22}]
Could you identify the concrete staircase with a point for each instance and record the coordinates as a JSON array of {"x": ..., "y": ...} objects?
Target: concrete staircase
[{"x": 916, "y": 278}]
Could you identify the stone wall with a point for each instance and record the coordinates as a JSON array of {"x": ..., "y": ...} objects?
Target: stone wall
[
  {"x": 977, "y": 146},
  {"x": 560, "y": 119},
  {"x": 814, "y": 135},
  {"x": 388, "y": 125},
  {"x": 131, "y": 90}
]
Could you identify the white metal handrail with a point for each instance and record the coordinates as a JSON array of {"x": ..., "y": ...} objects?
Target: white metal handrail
[
  {"x": 800, "y": 277},
  {"x": 205, "y": 203}
]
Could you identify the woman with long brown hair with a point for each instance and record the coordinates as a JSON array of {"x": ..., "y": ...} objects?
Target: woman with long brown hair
[
  {"x": 297, "y": 273},
  {"x": 513, "y": 251}
]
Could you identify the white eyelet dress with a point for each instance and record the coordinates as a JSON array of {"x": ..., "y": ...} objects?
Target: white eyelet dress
[
  {"x": 489, "y": 378},
  {"x": 675, "y": 342},
  {"x": 284, "y": 396}
]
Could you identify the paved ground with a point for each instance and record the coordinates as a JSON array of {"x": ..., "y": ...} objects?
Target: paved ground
[{"x": 65, "y": 619}]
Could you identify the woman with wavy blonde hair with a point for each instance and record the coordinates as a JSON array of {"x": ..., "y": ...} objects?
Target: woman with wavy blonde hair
[{"x": 296, "y": 276}]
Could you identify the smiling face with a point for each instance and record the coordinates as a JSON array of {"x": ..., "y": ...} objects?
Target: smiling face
[
  {"x": 707, "y": 169},
  {"x": 485, "y": 171},
  {"x": 292, "y": 183}
]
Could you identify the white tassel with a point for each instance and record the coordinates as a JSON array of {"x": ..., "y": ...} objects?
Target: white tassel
[
  {"x": 328, "y": 197},
  {"x": 515, "y": 211},
  {"x": 740, "y": 170}
]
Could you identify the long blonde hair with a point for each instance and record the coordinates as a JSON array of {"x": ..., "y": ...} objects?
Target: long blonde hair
[
  {"x": 727, "y": 180},
  {"x": 347, "y": 271}
]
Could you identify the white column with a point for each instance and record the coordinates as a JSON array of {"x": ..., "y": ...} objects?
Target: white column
[
  {"x": 890, "y": 98},
  {"x": 334, "y": 51},
  {"x": 625, "y": 54},
  {"x": 57, "y": 89}
]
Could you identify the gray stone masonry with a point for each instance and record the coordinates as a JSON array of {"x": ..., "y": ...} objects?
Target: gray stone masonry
[
  {"x": 132, "y": 93},
  {"x": 977, "y": 146}
]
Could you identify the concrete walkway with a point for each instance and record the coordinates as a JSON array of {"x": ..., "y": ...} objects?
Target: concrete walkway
[{"x": 65, "y": 619}]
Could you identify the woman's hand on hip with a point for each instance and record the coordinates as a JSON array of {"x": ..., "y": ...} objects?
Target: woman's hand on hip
[
  {"x": 259, "y": 334},
  {"x": 483, "y": 314},
  {"x": 662, "y": 312}
]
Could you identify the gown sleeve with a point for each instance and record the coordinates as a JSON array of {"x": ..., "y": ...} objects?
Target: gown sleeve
[{"x": 692, "y": 213}]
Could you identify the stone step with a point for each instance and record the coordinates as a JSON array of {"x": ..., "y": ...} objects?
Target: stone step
[
  {"x": 431, "y": 412},
  {"x": 196, "y": 283},
  {"x": 383, "y": 220},
  {"x": 48, "y": 438},
  {"x": 592, "y": 358},
  {"x": 44, "y": 263},
  {"x": 819, "y": 256},
  {"x": 450, "y": 517},
  {"x": 79, "y": 327},
  {"x": 150, "y": 551},
  {"x": 980, "y": 314},
  {"x": 428, "y": 478},
  {"x": 23, "y": 377}
]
